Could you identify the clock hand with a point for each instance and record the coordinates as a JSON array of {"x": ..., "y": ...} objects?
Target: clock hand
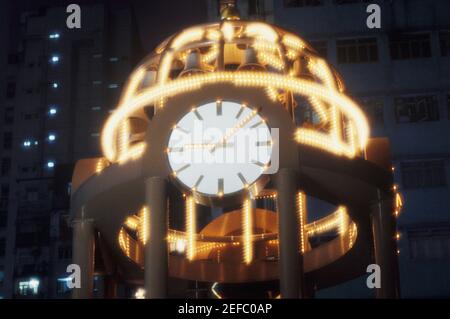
[{"x": 233, "y": 130}]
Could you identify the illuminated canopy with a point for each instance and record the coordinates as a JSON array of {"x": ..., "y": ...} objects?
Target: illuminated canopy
[{"x": 244, "y": 54}]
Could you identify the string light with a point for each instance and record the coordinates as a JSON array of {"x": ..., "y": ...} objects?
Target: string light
[
  {"x": 191, "y": 227},
  {"x": 244, "y": 78},
  {"x": 265, "y": 42},
  {"x": 301, "y": 208},
  {"x": 247, "y": 230}
]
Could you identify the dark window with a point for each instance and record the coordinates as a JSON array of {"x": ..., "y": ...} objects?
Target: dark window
[
  {"x": 10, "y": 90},
  {"x": 303, "y": 3},
  {"x": 7, "y": 140},
  {"x": 65, "y": 252},
  {"x": 416, "y": 109},
  {"x": 2, "y": 246},
  {"x": 444, "y": 39},
  {"x": 2, "y": 275},
  {"x": 256, "y": 7},
  {"x": 357, "y": 50},
  {"x": 431, "y": 243},
  {"x": 3, "y": 218},
  {"x": 448, "y": 106},
  {"x": 9, "y": 115},
  {"x": 321, "y": 47},
  {"x": 350, "y": 1},
  {"x": 13, "y": 58},
  {"x": 6, "y": 166},
  {"x": 373, "y": 107},
  {"x": 423, "y": 174},
  {"x": 410, "y": 46},
  {"x": 4, "y": 192}
]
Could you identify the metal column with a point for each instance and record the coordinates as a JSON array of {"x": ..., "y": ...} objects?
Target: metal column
[
  {"x": 290, "y": 261},
  {"x": 385, "y": 245},
  {"x": 155, "y": 249},
  {"x": 83, "y": 256}
]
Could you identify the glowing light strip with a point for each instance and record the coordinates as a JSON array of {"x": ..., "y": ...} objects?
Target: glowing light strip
[
  {"x": 102, "y": 163},
  {"x": 247, "y": 230},
  {"x": 245, "y": 79},
  {"x": 191, "y": 227},
  {"x": 144, "y": 229},
  {"x": 301, "y": 208},
  {"x": 124, "y": 137},
  {"x": 261, "y": 30},
  {"x": 132, "y": 222},
  {"x": 213, "y": 290}
]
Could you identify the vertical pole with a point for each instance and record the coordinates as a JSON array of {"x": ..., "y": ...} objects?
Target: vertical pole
[
  {"x": 155, "y": 248},
  {"x": 385, "y": 246},
  {"x": 83, "y": 256},
  {"x": 290, "y": 261},
  {"x": 110, "y": 287}
]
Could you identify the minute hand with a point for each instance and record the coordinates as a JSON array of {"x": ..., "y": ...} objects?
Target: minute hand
[{"x": 232, "y": 131}]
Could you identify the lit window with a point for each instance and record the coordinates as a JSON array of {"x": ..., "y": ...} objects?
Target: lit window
[
  {"x": 52, "y": 110},
  {"x": 96, "y": 82},
  {"x": 62, "y": 285},
  {"x": 113, "y": 59},
  {"x": 96, "y": 108},
  {"x": 53, "y": 36},
  {"x": 113, "y": 86},
  {"x": 50, "y": 164},
  {"x": 54, "y": 59},
  {"x": 51, "y": 137},
  {"x": 29, "y": 287}
]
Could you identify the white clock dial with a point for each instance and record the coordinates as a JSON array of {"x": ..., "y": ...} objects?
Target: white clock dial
[{"x": 219, "y": 148}]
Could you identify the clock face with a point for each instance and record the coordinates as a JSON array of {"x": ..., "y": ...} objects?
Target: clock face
[{"x": 219, "y": 148}]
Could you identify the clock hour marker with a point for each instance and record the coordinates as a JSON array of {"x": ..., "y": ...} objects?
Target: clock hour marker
[
  {"x": 240, "y": 111},
  {"x": 174, "y": 149},
  {"x": 181, "y": 129},
  {"x": 265, "y": 143},
  {"x": 197, "y": 115},
  {"x": 258, "y": 163},
  {"x": 182, "y": 169},
  {"x": 220, "y": 186},
  {"x": 242, "y": 178},
  {"x": 199, "y": 180},
  {"x": 219, "y": 107},
  {"x": 257, "y": 124}
]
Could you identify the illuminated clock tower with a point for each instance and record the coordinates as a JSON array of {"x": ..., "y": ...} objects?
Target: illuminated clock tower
[{"x": 243, "y": 116}]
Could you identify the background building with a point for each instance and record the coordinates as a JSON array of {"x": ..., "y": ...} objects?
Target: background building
[
  {"x": 60, "y": 85},
  {"x": 400, "y": 75}
]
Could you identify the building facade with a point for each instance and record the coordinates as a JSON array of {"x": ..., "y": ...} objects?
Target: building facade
[
  {"x": 60, "y": 84},
  {"x": 400, "y": 76}
]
